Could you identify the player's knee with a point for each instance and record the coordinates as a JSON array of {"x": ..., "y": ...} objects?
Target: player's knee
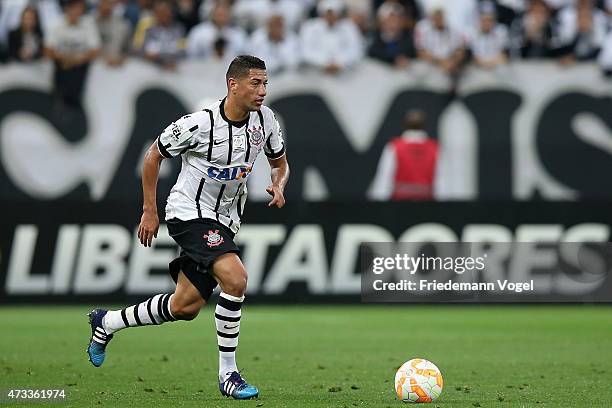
[{"x": 236, "y": 286}]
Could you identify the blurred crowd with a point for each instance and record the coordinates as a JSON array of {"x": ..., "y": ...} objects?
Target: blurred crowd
[{"x": 331, "y": 35}]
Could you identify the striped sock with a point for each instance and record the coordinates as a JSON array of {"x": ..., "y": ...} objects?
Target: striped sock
[
  {"x": 153, "y": 311},
  {"x": 227, "y": 320}
]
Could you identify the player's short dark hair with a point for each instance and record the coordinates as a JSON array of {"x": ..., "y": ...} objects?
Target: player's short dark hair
[{"x": 240, "y": 66}]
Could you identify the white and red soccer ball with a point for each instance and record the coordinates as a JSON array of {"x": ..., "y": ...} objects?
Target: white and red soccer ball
[{"x": 418, "y": 380}]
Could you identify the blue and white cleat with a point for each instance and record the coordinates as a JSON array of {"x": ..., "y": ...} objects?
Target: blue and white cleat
[
  {"x": 236, "y": 387},
  {"x": 99, "y": 339}
]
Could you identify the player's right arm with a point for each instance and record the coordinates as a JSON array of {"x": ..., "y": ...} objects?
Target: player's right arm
[
  {"x": 149, "y": 222},
  {"x": 175, "y": 140}
]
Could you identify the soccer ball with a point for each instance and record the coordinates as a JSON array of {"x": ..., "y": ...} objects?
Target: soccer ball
[{"x": 418, "y": 380}]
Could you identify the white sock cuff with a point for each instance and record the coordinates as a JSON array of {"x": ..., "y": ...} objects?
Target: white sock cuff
[
  {"x": 232, "y": 298},
  {"x": 105, "y": 323},
  {"x": 170, "y": 306}
]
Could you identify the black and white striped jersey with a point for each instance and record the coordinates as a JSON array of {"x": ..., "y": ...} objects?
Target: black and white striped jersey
[{"x": 217, "y": 157}]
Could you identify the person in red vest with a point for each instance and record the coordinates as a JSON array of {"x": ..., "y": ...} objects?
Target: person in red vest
[{"x": 407, "y": 167}]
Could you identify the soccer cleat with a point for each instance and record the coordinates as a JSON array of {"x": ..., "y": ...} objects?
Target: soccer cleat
[
  {"x": 99, "y": 339},
  {"x": 236, "y": 387}
]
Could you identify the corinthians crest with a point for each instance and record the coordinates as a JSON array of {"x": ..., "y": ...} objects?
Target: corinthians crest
[
  {"x": 256, "y": 136},
  {"x": 213, "y": 238}
]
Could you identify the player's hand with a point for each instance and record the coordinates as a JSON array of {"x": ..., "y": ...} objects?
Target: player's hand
[
  {"x": 278, "y": 199},
  {"x": 147, "y": 230}
]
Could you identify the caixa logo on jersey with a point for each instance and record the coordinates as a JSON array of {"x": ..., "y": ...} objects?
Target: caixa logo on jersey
[{"x": 229, "y": 173}]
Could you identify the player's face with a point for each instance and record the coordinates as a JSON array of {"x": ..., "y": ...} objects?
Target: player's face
[{"x": 251, "y": 90}]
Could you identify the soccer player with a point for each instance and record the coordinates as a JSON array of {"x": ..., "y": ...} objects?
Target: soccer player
[{"x": 218, "y": 147}]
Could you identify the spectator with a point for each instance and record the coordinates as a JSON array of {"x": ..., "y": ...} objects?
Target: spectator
[
  {"x": 605, "y": 57},
  {"x": 216, "y": 37},
  {"x": 459, "y": 14},
  {"x": 114, "y": 33},
  {"x": 360, "y": 12},
  {"x": 309, "y": 5},
  {"x": 120, "y": 10},
  {"x": 488, "y": 43},
  {"x": 331, "y": 42},
  {"x": 145, "y": 19},
  {"x": 187, "y": 13},
  {"x": 208, "y": 5},
  {"x": 11, "y": 11},
  {"x": 532, "y": 35},
  {"x": 131, "y": 12},
  {"x": 276, "y": 45},
  {"x": 407, "y": 166},
  {"x": 556, "y": 5},
  {"x": 26, "y": 42},
  {"x": 411, "y": 7},
  {"x": 253, "y": 14},
  {"x": 164, "y": 42},
  {"x": 392, "y": 43},
  {"x": 582, "y": 29},
  {"x": 72, "y": 45},
  {"x": 509, "y": 10},
  {"x": 439, "y": 44}
]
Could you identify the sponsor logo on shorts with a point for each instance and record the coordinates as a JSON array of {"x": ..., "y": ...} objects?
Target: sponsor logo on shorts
[{"x": 213, "y": 238}]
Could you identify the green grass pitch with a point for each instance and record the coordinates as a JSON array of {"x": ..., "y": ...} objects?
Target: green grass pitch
[{"x": 322, "y": 356}]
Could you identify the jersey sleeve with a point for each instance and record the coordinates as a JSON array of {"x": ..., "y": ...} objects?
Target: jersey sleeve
[
  {"x": 179, "y": 137},
  {"x": 275, "y": 145}
]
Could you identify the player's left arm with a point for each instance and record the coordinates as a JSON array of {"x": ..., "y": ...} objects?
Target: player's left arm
[
  {"x": 279, "y": 167},
  {"x": 279, "y": 173}
]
